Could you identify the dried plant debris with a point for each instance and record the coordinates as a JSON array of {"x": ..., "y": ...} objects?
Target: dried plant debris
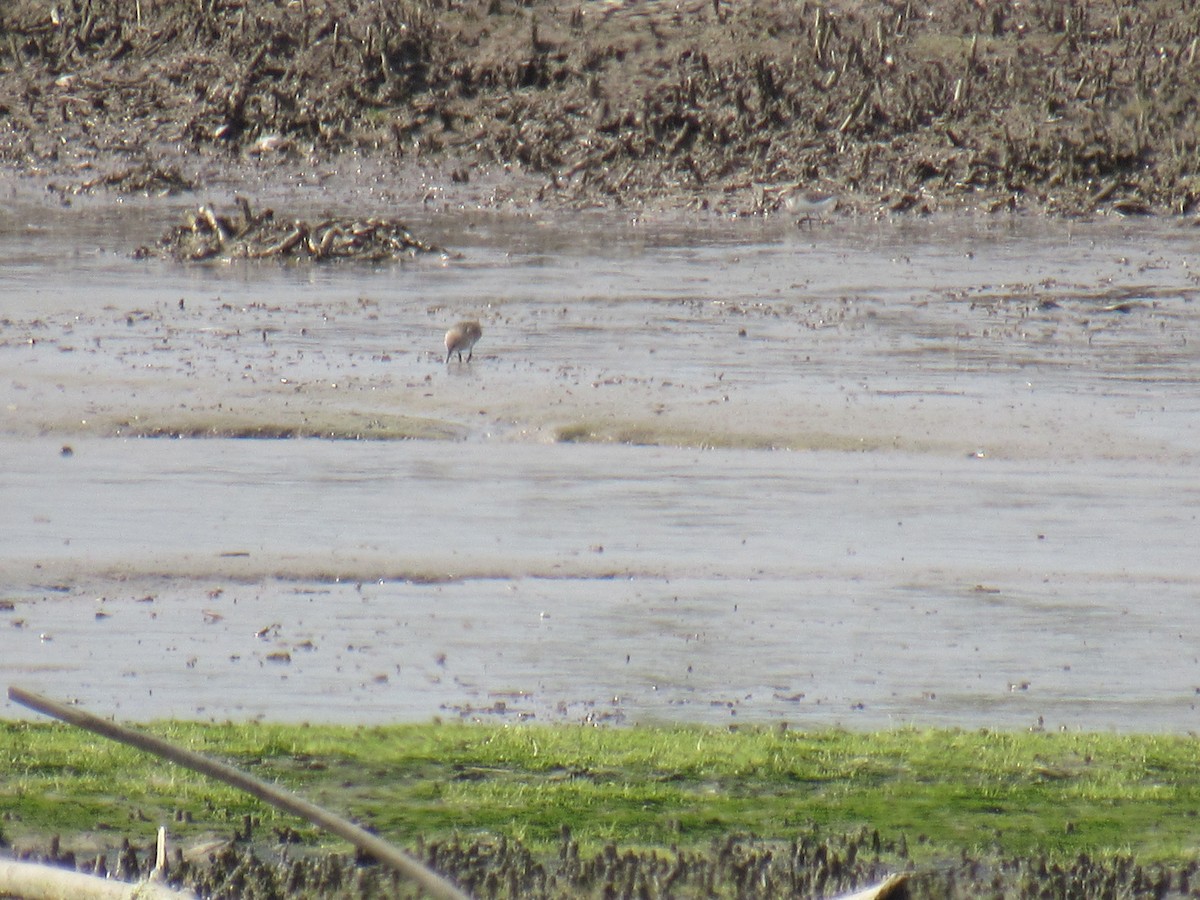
[
  {"x": 735, "y": 866},
  {"x": 900, "y": 107},
  {"x": 148, "y": 178},
  {"x": 206, "y": 234}
]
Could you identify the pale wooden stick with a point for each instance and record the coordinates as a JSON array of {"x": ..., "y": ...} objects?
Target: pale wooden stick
[
  {"x": 889, "y": 888},
  {"x": 368, "y": 843},
  {"x": 37, "y": 881}
]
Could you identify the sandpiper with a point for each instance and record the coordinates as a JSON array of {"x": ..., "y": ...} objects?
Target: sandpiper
[
  {"x": 462, "y": 337},
  {"x": 810, "y": 204}
]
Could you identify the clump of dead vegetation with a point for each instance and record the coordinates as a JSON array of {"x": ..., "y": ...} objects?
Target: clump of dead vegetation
[{"x": 206, "y": 234}]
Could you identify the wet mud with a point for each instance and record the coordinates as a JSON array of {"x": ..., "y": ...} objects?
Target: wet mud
[{"x": 886, "y": 475}]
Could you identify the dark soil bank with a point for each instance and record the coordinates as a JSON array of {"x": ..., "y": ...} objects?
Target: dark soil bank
[{"x": 1068, "y": 108}]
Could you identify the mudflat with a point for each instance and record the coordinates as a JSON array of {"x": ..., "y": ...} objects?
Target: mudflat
[{"x": 860, "y": 474}]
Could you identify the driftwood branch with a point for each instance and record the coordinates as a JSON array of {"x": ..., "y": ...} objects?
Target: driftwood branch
[
  {"x": 35, "y": 881},
  {"x": 893, "y": 887},
  {"x": 368, "y": 843}
]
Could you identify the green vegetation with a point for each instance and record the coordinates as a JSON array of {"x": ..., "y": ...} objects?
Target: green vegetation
[
  {"x": 945, "y": 792},
  {"x": 703, "y": 436},
  {"x": 331, "y": 424}
]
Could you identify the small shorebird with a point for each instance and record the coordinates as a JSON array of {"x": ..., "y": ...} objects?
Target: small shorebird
[
  {"x": 462, "y": 337},
  {"x": 810, "y": 204}
]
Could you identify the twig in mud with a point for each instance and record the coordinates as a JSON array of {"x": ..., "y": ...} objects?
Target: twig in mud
[
  {"x": 855, "y": 108},
  {"x": 368, "y": 843},
  {"x": 283, "y": 248}
]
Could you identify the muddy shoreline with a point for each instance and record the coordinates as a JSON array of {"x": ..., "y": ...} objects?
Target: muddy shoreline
[{"x": 728, "y": 108}]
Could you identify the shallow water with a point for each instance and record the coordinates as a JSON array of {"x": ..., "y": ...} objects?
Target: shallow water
[{"x": 862, "y": 474}]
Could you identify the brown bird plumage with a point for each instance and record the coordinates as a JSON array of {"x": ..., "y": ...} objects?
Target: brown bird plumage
[{"x": 462, "y": 337}]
